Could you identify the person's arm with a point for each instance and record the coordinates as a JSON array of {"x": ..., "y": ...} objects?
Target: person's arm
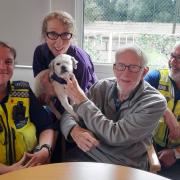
[
  {"x": 43, "y": 154},
  {"x": 139, "y": 123},
  {"x": 16, "y": 166},
  {"x": 39, "y": 116},
  {"x": 171, "y": 121},
  {"x": 83, "y": 138},
  {"x": 5, "y": 168},
  {"x": 45, "y": 130},
  {"x": 39, "y": 61}
]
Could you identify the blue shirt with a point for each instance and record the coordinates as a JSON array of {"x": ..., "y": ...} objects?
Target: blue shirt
[{"x": 153, "y": 78}]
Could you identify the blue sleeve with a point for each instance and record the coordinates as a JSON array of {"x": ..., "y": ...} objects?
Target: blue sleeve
[
  {"x": 39, "y": 116},
  {"x": 153, "y": 78},
  {"x": 37, "y": 62}
]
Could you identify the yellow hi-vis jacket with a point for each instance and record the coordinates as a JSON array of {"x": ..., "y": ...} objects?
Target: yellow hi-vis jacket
[
  {"x": 162, "y": 132},
  {"x": 17, "y": 132}
]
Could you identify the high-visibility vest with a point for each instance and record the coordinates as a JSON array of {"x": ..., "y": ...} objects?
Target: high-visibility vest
[
  {"x": 167, "y": 90},
  {"x": 17, "y": 132}
]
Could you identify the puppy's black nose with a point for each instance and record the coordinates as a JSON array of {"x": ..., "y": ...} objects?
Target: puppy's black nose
[{"x": 63, "y": 69}]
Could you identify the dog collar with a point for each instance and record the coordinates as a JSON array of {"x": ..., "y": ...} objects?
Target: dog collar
[{"x": 58, "y": 79}]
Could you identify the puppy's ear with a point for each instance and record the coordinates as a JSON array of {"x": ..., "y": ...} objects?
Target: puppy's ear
[
  {"x": 74, "y": 62},
  {"x": 51, "y": 66}
]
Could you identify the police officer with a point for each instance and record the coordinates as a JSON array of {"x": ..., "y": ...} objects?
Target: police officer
[
  {"x": 26, "y": 131},
  {"x": 167, "y": 134}
]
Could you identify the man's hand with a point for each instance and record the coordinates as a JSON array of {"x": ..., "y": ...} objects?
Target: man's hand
[
  {"x": 167, "y": 157},
  {"x": 84, "y": 139},
  {"x": 73, "y": 90},
  {"x": 173, "y": 126}
]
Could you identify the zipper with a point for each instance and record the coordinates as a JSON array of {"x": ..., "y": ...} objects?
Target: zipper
[
  {"x": 5, "y": 140},
  {"x": 13, "y": 143},
  {"x": 9, "y": 139},
  {"x": 175, "y": 102}
]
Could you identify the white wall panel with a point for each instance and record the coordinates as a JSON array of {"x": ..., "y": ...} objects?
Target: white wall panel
[
  {"x": 21, "y": 25},
  {"x": 64, "y": 5}
]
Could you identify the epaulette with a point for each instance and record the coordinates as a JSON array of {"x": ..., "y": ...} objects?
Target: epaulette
[
  {"x": 20, "y": 84},
  {"x": 20, "y": 89}
]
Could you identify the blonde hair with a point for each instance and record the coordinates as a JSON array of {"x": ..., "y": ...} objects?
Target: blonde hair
[{"x": 63, "y": 17}]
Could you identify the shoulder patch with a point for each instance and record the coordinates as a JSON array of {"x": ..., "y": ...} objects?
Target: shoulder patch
[
  {"x": 20, "y": 84},
  {"x": 20, "y": 89},
  {"x": 163, "y": 87}
]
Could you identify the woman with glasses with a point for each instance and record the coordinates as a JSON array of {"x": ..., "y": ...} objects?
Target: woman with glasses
[{"x": 58, "y": 31}]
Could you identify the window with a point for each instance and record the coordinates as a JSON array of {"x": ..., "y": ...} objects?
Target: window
[{"x": 153, "y": 25}]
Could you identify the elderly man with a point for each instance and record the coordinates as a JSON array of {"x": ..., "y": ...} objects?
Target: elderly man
[
  {"x": 167, "y": 135},
  {"x": 117, "y": 116}
]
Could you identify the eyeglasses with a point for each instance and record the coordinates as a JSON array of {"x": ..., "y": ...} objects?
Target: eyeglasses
[
  {"x": 54, "y": 35},
  {"x": 176, "y": 57},
  {"x": 131, "y": 67}
]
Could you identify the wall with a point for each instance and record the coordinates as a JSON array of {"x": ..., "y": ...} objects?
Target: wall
[
  {"x": 20, "y": 25},
  {"x": 65, "y": 5}
]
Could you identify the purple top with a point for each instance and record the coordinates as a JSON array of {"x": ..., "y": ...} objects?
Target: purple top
[{"x": 84, "y": 73}]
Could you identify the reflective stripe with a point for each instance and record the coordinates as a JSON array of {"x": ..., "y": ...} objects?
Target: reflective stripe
[{"x": 16, "y": 140}]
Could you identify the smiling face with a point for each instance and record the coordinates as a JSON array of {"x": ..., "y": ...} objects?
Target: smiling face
[
  {"x": 127, "y": 81},
  {"x": 6, "y": 65},
  {"x": 58, "y": 46},
  {"x": 174, "y": 64}
]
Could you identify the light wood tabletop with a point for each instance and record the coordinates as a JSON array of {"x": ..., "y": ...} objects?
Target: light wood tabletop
[{"x": 80, "y": 171}]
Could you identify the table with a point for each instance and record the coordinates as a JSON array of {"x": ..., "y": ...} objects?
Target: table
[{"x": 80, "y": 171}]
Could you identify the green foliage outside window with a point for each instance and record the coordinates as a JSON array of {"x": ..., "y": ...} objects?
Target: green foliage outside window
[
  {"x": 156, "y": 46},
  {"x": 131, "y": 10}
]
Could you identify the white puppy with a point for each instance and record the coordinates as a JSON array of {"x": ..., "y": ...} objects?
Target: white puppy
[{"x": 59, "y": 69}]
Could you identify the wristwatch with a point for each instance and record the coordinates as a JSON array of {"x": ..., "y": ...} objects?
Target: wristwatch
[
  {"x": 177, "y": 153},
  {"x": 47, "y": 146}
]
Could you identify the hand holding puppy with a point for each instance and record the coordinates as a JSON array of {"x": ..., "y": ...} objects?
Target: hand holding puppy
[
  {"x": 47, "y": 95},
  {"x": 73, "y": 90}
]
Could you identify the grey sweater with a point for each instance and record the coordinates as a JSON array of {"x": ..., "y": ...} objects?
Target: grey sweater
[{"x": 124, "y": 133}]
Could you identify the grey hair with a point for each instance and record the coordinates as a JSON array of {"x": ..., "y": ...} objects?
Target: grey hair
[
  {"x": 63, "y": 17},
  {"x": 136, "y": 50}
]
